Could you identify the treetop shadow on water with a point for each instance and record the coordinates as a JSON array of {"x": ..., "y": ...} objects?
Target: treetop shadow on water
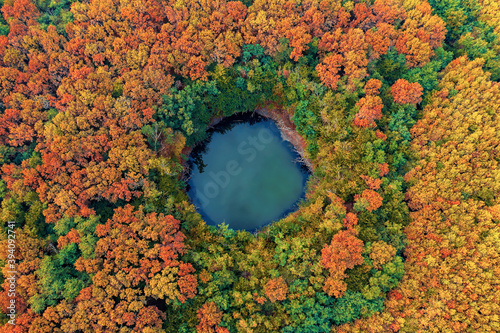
[{"x": 245, "y": 175}]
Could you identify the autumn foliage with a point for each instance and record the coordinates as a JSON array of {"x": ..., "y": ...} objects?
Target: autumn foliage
[
  {"x": 392, "y": 104},
  {"x": 381, "y": 253},
  {"x": 369, "y": 199},
  {"x": 136, "y": 258},
  {"x": 276, "y": 289},
  {"x": 370, "y": 109},
  {"x": 405, "y": 92},
  {"x": 451, "y": 281},
  {"x": 344, "y": 252},
  {"x": 210, "y": 316}
]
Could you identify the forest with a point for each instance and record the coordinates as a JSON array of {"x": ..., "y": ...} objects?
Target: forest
[{"x": 396, "y": 102}]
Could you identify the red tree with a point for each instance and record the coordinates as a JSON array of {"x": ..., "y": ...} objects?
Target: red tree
[
  {"x": 344, "y": 252},
  {"x": 405, "y": 92}
]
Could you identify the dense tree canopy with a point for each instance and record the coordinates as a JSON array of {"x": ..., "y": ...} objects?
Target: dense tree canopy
[{"x": 393, "y": 103}]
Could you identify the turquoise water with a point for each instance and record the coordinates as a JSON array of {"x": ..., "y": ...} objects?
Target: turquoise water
[{"x": 246, "y": 176}]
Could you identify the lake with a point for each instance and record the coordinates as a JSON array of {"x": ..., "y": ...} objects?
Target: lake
[{"x": 245, "y": 175}]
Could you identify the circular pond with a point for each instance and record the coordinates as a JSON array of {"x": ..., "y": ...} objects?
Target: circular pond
[{"x": 245, "y": 175}]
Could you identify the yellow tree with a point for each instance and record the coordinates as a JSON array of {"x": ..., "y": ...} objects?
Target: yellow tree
[{"x": 452, "y": 258}]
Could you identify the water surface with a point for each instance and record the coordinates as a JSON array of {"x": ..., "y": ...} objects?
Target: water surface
[{"x": 245, "y": 175}]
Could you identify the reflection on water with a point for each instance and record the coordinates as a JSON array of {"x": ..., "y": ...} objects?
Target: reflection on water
[{"x": 245, "y": 175}]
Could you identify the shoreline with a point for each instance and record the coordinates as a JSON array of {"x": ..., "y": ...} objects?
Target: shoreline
[
  {"x": 285, "y": 126},
  {"x": 288, "y": 133}
]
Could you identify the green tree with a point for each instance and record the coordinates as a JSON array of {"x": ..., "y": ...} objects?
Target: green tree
[
  {"x": 58, "y": 279},
  {"x": 188, "y": 110},
  {"x": 307, "y": 122},
  {"x": 353, "y": 306}
]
